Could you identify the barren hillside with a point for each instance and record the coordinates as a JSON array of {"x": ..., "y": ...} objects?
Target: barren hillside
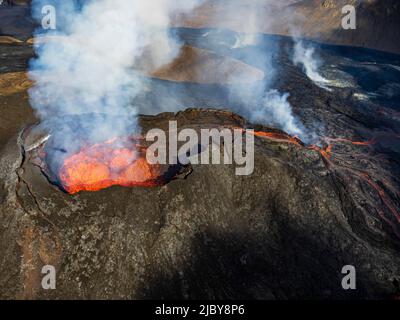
[{"x": 378, "y": 21}]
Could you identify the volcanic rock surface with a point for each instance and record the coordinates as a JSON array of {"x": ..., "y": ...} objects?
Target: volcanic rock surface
[
  {"x": 14, "y": 82},
  {"x": 377, "y": 20},
  {"x": 16, "y": 21},
  {"x": 9, "y": 40},
  {"x": 203, "y": 66},
  {"x": 191, "y": 65},
  {"x": 286, "y": 231},
  {"x": 320, "y": 20}
]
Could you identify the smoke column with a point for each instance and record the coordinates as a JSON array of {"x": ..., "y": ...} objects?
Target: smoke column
[
  {"x": 90, "y": 66},
  {"x": 250, "y": 36},
  {"x": 87, "y": 65},
  {"x": 260, "y": 102},
  {"x": 306, "y": 57}
]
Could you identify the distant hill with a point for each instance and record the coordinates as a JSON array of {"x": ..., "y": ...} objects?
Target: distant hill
[
  {"x": 378, "y": 21},
  {"x": 203, "y": 66}
]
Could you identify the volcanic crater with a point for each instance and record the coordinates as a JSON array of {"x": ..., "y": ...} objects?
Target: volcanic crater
[
  {"x": 206, "y": 223},
  {"x": 201, "y": 232}
]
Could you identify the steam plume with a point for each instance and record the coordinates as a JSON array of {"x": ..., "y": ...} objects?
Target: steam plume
[
  {"x": 260, "y": 102},
  {"x": 305, "y": 56},
  {"x": 89, "y": 68},
  {"x": 277, "y": 106}
]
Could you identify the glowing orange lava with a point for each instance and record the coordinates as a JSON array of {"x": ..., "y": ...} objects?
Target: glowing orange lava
[
  {"x": 275, "y": 136},
  {"x": 326, "y": 153},
  {"x": 355, "y": 143},
  {"x": 278, "y": 137},
  {"x": 103, "y": 165}
]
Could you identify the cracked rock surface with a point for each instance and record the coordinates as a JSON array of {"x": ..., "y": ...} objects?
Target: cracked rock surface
[{"x": 284, "y": 232}]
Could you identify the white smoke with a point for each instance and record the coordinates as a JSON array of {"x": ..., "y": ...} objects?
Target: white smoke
[
  {"x": 306, "y": 58},
  {"x": 260, "y": 102},
  {"x": 89, "y": 66},
  {"x": 277, "y": 107},
  {"x": 250, "y": 36},
  {"x": 245, "y": 40}
]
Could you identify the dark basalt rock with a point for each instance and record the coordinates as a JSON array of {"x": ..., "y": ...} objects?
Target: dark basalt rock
[{"x": 284, "y": 232}]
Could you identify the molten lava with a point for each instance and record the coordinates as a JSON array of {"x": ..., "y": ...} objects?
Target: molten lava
[
  {"x": 275, "y": 137},
  {"x": 327, "y": 154},
  {"x": 279, "y": 137},
  {"x": 103, "y": 165}
]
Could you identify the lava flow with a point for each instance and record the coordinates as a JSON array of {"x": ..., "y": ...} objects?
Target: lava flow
[
  {"x": 279, "y": 137},
  {"x": 275, "y": 136},
  {"x": 103, "y": 165},
  {"x": 327, "y": 153}
]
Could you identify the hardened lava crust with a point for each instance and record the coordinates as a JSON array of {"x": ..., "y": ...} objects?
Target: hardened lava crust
[{"x": 286, "y": 231}]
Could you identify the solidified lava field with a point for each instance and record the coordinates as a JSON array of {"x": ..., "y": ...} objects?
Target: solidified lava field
[{"x": 284, "y": 232}]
